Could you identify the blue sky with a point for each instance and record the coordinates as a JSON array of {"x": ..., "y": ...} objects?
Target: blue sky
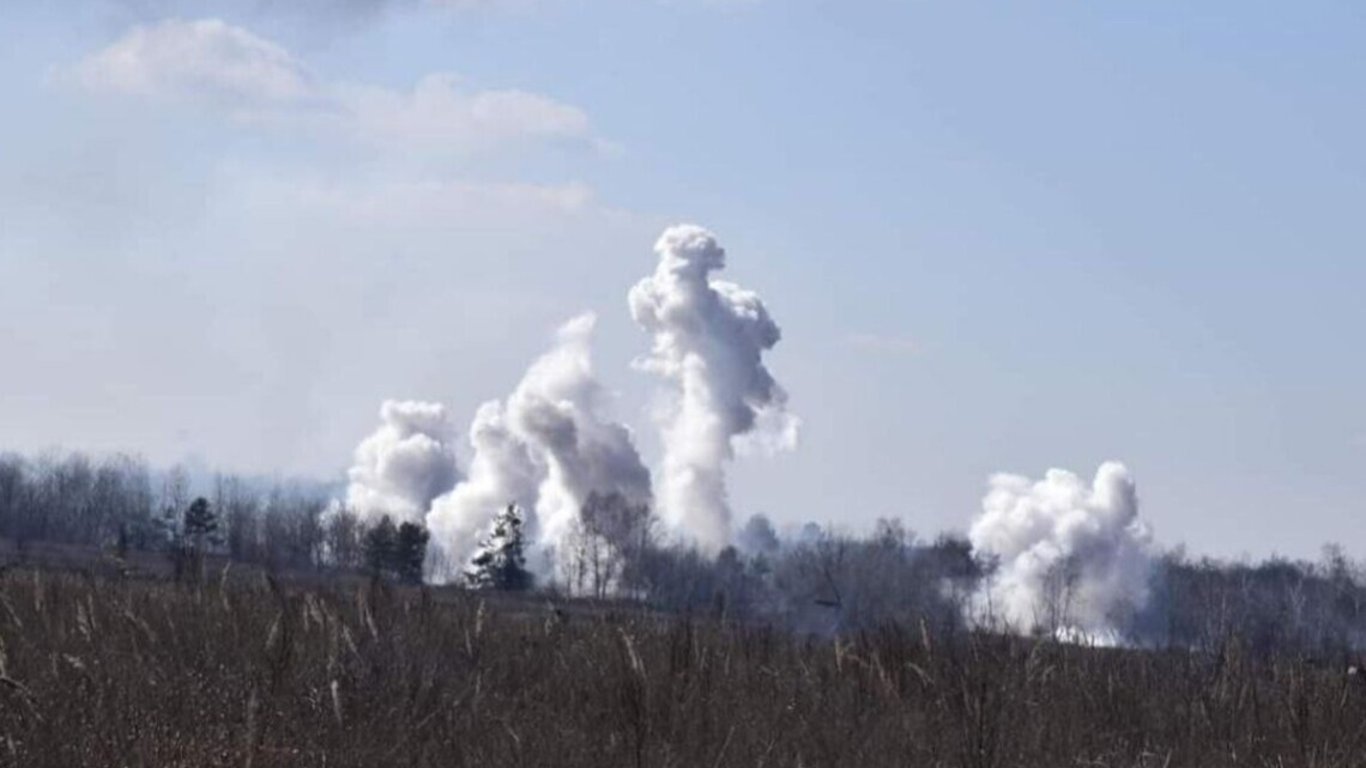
[{"x": 997, "y": 239}]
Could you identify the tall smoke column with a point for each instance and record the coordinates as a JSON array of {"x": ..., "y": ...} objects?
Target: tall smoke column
[
  {"x": 709, "y": 340},
  {"x": 559, "y": 410},
  {"x": 546, "y": 449},
  {"x": 404, "y": 465},
  {"x": 1073, "y": 558}
]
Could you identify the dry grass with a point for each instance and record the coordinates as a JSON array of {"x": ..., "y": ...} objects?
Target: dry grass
[{"x": 107, "y": 673}]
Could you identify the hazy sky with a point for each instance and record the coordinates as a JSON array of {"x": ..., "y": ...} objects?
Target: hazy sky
[{"x": 996, "y": 239}]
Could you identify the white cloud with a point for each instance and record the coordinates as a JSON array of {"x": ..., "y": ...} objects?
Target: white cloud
[
  {"x": 442, "y": 111},
  {"x": 206, "y": 60},
  {"x": 223, "y": 67}
]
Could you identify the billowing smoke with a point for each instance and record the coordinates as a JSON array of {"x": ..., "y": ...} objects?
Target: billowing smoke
[
  {"x": 1074, "y": 559},
  {"x": 549, "y": 446},
  {"x": 546, "y": 448},
  {"x": 709, "y": 340},
  {"x": 501, "y": 472},
  {"x": 404, "y": 465}
]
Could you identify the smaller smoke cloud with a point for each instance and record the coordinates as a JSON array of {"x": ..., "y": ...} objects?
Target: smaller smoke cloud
[
  {"x": 547, "y": 448},
  {"x": 1074, "y": 559},
  {"x": 404, "y": 465},
  {"x": 709, "y": 340}
]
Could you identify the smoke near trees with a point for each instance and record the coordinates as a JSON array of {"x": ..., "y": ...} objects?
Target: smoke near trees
[
  {"x": 555, "y": 492},
  {"x": 1071, "y": 557},
  {"x": 552, "y": 445},
  {"x": 545, "y": 449},
  {"x": 405, "y": 464},
  {"x": 1062, "y": 556},
  {"x": 708, "y": 340},
  {"x": 74, "y": 507}
]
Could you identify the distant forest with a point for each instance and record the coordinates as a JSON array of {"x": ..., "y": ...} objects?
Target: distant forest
[{"x": 821, "y": 581}]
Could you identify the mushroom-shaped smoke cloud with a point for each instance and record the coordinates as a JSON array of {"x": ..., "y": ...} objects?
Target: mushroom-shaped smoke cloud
[
  {"x": 1073, "y": 559},
  {"x": 404, "y": 465},
  {"x": 546, "y": 449},
  {"x": 709, "y": 340}
]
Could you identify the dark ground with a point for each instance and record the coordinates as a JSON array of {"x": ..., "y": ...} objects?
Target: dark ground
[{"x": 102, "y": 670}]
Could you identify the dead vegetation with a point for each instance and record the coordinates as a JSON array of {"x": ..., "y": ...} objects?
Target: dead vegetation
[{"x": 102, "y": 672}]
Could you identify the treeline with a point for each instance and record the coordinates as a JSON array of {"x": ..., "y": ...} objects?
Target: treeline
[
  {"x": 119, "y": 503},
  {"x": 819, "y": 580},
  {"x": 825, "y": 581},
  {"x": 1317, "y": 609}
]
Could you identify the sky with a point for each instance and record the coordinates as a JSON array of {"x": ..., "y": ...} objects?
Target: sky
[{"x": 1001, "y": 238}]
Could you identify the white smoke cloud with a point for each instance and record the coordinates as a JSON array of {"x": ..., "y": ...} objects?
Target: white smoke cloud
[
  {"x": 709, "y": 340},
  {"x": 1073, "y": 558},
  {"x": 404, "y": 465},
  {"x": 502, "y": 472},
  {"x": 546, "y": 448}
]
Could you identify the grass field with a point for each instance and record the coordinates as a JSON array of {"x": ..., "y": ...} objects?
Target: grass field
[{"x": 103, "y": 672}]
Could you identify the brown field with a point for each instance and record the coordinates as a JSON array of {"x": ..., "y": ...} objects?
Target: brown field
[{"x": 98, "y": 671}]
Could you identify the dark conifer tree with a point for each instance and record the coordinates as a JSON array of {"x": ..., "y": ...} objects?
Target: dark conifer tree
[{"x": 500, "y": 562}]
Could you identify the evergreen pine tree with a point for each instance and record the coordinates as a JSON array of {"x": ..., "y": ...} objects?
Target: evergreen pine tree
[
  {"x": 190, "y": 540},
  {"x": 380, "y": 544},
  {"x": 201, "y": 523},
  {"x": 500, "y": 562},
  {"x": 410, "y": 552}
]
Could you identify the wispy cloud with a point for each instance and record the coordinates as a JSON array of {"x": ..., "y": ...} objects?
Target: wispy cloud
[
  {"x": 229, "y": 69},
  {"x": 443, "y": 111},
  {"x": 883, "y": 344},
  {"x": 316, "y": 11},
  {"x": 329, "y": 13},
  {"x": 207, "y": 60}
]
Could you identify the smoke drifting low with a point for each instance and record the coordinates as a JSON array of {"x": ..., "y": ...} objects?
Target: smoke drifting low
[
  {"x": 404, "y": 465},
  {"x": 709, "y": 340},
  {"x": 1073, "y": 559},
  {"x": 546, "y": 448}
]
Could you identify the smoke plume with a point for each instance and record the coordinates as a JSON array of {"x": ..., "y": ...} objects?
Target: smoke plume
[
  {"x": 709, "y": 339},
  {"x": 1073, "y": 559},
  {"x": 404, "y": 465},
  {"x": 546, "y": 449}
]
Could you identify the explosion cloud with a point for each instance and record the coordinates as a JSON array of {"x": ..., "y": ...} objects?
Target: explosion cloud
[
  {"x": 502, "y": 472},
  {"x": 709, "y": 337},
  {"x": 1072, "y": 558},
  {"x": 546, "y": 448},
  {"x": 404, "y": 465},
  {"x": 549, "y": 446}
]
